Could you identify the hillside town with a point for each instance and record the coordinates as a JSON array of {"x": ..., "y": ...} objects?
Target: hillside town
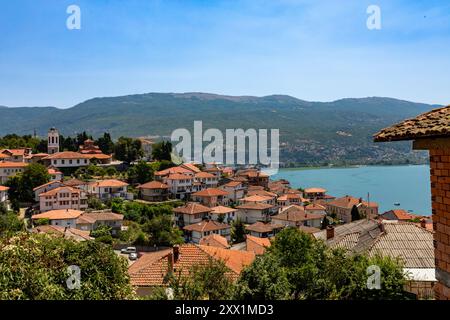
[{"x": 229, "y": 214}]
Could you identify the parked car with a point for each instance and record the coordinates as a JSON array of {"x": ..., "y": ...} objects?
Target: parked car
[
  {"x": 128, "y": 250},
  {"x": 133, "y": 256}
]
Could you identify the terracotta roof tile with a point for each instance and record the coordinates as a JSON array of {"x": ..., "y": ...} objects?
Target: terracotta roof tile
[
  {"x": 206, "y": 225},
  {"x": 151, "y": 268},
  {"x": 153, "y": 185},
  {"x": 215, "y": 240},
  {"x": 435, "y": 123},
  {"x": 210, "y": 192},
  {"x": 192, "y": 208},
  {"x": 58, "y": 214},
  {"x": 257, "y": 245},
  {"x": 262, "y": 227}
]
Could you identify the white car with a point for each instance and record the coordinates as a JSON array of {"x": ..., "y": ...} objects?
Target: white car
[
  {"x": 128, "y": 250},
  {"x": 133, "y": 256}
]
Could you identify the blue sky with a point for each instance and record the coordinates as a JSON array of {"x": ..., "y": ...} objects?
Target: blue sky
[{"x": 315, "y": 50}]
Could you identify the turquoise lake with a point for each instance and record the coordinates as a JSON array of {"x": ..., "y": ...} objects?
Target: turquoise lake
[{"x": 407, "y": 185}]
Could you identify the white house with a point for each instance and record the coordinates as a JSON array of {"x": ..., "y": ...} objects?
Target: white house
[
  {"x": 195, "y": 232},
  {"x": 90, "y": 221},
  {"x": 207, "y": 180},
  {"x": 63, "y": 218},
  {"x": 109, "y": 189},
  {"x": 9, "y": 169},
  {"x": 180, "y": 185},
  {"x": 63, "y": 197},
  {"x": 228, "y": 214},
  {"x": 68, "y": 159},
  {"x": 253, "y": 212},
  {"x": 45, "y": 188},
  {"x": 296, "y": 216},
  {"x": 236, "y": 190},
  {"x": 190, "y": 213}
]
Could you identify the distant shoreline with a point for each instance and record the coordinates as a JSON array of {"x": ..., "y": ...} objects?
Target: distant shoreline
[{"x": 350, "y": 166}]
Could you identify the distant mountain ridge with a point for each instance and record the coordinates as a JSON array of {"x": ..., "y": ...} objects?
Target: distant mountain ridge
[{"x": 311, "y": 132}]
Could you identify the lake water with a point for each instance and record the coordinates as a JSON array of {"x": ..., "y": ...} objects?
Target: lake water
[{"x": 407, "y": 185}]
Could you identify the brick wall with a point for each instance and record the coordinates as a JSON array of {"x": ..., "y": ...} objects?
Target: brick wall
[{"x": 440, "y": 196}]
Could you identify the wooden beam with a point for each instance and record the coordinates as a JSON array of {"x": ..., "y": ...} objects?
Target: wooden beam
[{"x": 431, "y": 143}]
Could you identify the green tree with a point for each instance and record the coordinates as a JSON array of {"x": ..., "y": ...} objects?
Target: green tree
[
  {"x": 95, "y": 203},
  {"x": 101, "y": 231},
  {"x": 237, "y": 231},
  {"x": 315, "y": 271},
  {"x": 204, "y": 281},
  {"x": 355, "y": 213},
  {"x": 162, "y": 151},
  {"x": 265, "y": 279},
  {"x": 161, "y": 231},
  {"x": 105, "y": 143},
  {"x": 41, "y": 222},
  {"x": 35, "y": 266},
  {"x": 10, "y": 223},
  {"x": 21, "y": 185},
  {"x": 140, "y": 173},
  {"x": 128, "y": 149}
]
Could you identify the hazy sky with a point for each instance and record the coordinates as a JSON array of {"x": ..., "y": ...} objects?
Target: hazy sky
[{"x": 314, "y": 50}]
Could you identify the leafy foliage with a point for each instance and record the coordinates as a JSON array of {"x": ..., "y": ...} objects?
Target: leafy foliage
[
  {"x": 238, "y": 231},
  {"x": 140, "y": 173},
  {"x": 34, "y": 266},
  {"x": 162, "y": 151},
  {"x": 314, "y": 271},
  {"x": 21, "y": 185},
  {"x": 128, "y": 149},
  {"x": 204, "y": 281},
  {"x": 105, "y": 143}
]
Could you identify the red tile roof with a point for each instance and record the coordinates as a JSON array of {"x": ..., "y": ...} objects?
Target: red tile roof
[
  {"x": 435, "y": 123},
  {"x": 179, "y": 176},
  {"x": 296, "y": 214},
  {"x": 254, "y": 206},
  {"x": 58, "y": 190},
  {"x": 215, "y": 240},
  {"x": 13, "y": 164},
  {"x": 68, "y": 155},
  {"x": 109, "y": 183},
  {"x": 349, "y": 201},
  {"x": 58, "y": 214},
  {"x": 222, "y": 210},
  {"x": 262, "y": 227},
  {"x": 257, "y": 245},
  {"x": 153, "y": 185},
  {"x": 151, "y": 268},
  {"x": 210, "y": 192},
  {"x": 192, "y": 208},
  {"x": 203, "y": 175},
  {"x": 315, "y": 190},
  {"x": 207, "y": 225},
  {"x": 173, "y": 170}
]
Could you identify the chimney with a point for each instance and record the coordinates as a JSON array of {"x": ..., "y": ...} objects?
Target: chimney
[
  {"x": 360, "y": 200},
  {"x": 330, "y": 232},
  {"x": 423, "y": 223},
  {"x": 176, "y": 252},
  {"x": 170, "y": 262}
]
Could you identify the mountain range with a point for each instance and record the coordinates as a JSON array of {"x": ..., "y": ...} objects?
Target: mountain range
[{"x": 311, "y": 133}]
